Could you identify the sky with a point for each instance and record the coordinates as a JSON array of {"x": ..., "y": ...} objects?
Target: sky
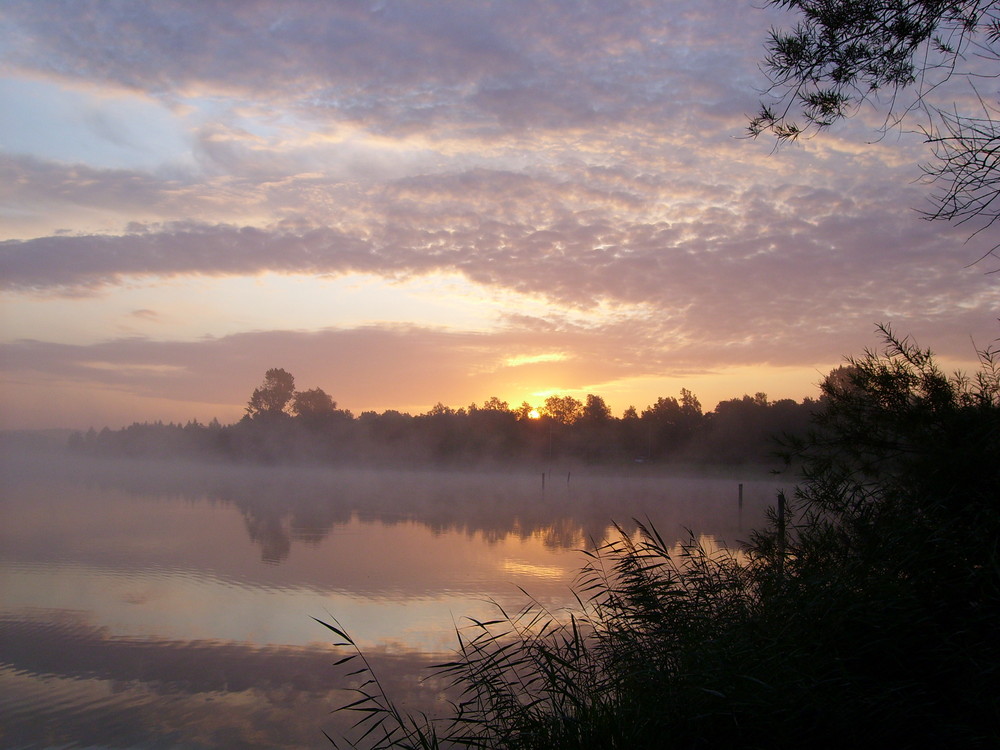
[{"x": 406, "y": 202}]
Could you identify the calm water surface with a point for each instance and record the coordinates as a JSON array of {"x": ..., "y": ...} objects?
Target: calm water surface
[{"x": 156, "y": 605}]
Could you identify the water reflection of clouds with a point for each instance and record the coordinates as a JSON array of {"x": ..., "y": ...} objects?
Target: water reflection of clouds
[
  {"x": 83, "y": 687},
  {"x": 184, "y": 607}
]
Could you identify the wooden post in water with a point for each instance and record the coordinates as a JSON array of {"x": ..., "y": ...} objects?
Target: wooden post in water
[
  {"x": 739, "y": 514},
  {"x": 543, "y": 481},
  {"x": 567, "y": 477}
]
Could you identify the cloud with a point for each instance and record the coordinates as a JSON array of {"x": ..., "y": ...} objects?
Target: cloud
[
  {"x": 189, "y": 692},
  {"x": 753, "y": 260},
  {"x": 398, "y": 67},
  {"x": 586, "y": 155}
]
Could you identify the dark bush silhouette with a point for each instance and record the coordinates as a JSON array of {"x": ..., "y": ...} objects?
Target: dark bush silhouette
[{"x": 866, "y": 616}]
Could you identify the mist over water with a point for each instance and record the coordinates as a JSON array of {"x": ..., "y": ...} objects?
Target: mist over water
[{"x": 163, "y": 604}]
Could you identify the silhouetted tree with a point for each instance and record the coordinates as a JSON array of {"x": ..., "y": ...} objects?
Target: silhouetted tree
[
  {"x": 633, "y": 436},
  {"x": 897, "y": 534},
  {"x": 386, "y": 437},
  {"x": 439, "y": 409},
  {"x": 669, "y": 424},
  {"x": 492, "y": 431},
  {"x": 739, "y": 430},
  {"x": 839, "y": 379},
  {"x": 440, "y": 433},
  {"x": 495, "y": 404},
  {"x": 313, "y": 404},
  {"x": 273, "y": 395},
  {"x": 563, "y": 409},
  {"x": 666, "y": 409},
  {"x": 596, "y": 410},
  {"x": 524, "y": 411},
  {"x": 593, "y": 434},
  {"x": 690, "y": 405}
]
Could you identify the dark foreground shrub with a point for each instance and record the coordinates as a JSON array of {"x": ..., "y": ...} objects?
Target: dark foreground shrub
[{"x": 866, "y": 613}]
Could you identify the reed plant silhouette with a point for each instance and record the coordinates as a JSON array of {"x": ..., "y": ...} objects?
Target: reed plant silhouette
[{"x": 867, "y": 613}]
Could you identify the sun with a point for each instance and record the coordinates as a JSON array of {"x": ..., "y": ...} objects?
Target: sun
[{"x": 533, "y": 414}]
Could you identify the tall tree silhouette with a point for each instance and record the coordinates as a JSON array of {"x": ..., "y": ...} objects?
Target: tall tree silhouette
[
  {"x": 313, "y": 404},
  {"x": 273, "y": 395}
]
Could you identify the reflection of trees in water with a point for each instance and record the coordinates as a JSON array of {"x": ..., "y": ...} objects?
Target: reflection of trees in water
[
  {"x": 563, "y": 534},
  {"x": 575, "y": 516},
  {"x": 275, "y": 542},
  {"x": 276, "y": 517},
  {"x": 282, "y": 506}
]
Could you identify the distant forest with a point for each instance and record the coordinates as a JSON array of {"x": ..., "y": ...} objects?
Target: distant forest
[{"x": 284, "y": 425}]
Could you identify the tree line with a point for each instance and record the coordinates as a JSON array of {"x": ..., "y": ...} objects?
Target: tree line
[{"x": 283, "y": 424}]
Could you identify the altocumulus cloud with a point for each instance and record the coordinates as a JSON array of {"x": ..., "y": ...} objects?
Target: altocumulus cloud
[
  {"x": 397, "y": 66},
  {"x": 749, "y": 264}
]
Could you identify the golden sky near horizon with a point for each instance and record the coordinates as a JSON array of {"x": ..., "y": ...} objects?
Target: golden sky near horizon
[{"x": 413, "y": 202}]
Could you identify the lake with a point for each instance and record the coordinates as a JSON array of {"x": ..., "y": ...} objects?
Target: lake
[{"x": 170, "y": 605}]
